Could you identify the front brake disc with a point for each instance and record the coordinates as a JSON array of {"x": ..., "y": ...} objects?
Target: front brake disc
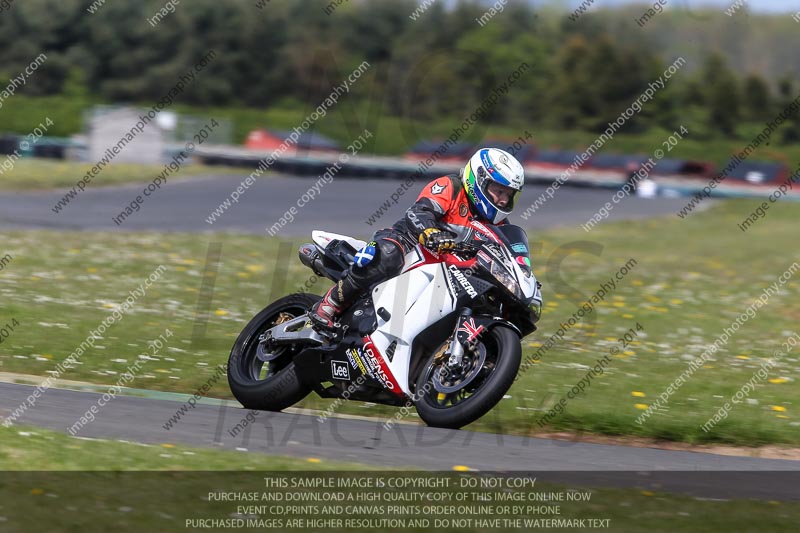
[{"x": 459, "y": 377}]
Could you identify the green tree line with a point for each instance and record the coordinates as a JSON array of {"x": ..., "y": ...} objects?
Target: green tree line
[{"x": 441, "y": 66}]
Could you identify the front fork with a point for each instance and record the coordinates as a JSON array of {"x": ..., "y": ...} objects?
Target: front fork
[{"x": 464, "y": 335}]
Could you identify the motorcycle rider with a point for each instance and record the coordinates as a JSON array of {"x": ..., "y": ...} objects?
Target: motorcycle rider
[{"x": 486, "y": 189}]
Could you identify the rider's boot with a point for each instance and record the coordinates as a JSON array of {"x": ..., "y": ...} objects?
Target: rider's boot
[{"x": 325, "y": 313}]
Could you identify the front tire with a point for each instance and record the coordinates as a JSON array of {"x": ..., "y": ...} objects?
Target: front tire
[
  {"x": 275, "y": 385},
  {"x": 457, "y": 409}
]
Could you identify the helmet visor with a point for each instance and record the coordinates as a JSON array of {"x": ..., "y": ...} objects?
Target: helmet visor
[{"x": 502, "y": 196}]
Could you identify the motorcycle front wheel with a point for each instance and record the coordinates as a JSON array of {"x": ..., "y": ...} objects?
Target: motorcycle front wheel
[
  {"x": 484, "y": 385},
  {"x": 273, "y": 385}
]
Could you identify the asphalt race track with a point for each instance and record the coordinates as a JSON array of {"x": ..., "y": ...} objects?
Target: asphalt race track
[
  {"x": 342, "y": 206},
  {"x": 367, "y": 441}
]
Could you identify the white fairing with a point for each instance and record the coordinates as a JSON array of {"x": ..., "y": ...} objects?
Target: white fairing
[
  {"x": 324, "y": 238},
  {"x": 415, "y": 299}
]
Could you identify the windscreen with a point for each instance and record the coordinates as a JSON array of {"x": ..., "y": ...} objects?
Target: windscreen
[{"x": 517, "y": 241}]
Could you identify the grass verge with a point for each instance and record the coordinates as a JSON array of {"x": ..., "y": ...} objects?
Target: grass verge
[
  {"x": 97, "y": 485},
  {"x": 691, "y": 280},
  {"x": 32, "y": 174},
  {"x": 30, "y": 448}
]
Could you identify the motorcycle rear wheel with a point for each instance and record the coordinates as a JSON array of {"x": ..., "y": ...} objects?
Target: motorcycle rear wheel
[{"x": 274, "y": 385}]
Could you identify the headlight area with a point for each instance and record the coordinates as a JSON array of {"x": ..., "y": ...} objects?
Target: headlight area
[
  {"x": 506, "y": 280},
  {"x": 536, "y": 309}
]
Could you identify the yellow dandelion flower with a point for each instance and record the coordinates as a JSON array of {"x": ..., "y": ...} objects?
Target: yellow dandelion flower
[
  {"x": 638, "y": 282},
  {"x": 618, "y": 304},
  {"x": 778, "y": 408},
  {"x": 254, "y": 268},
  {"x": 91, "y": 270},
  {"x": 461, "y": 468},
  {"x": 638, "y": 394},
  {"x": 37, "y": 492},
  {"x": 648, "y": 493},
  {"x": 220, "y": 312},
  {"x": 781, "y": 416},
  {"x": 181, "y": 268},
  {"x": 676, "y": 301},
  {"x": 628, "y": 352},
  {"x": 778, "y": 380},
  {"x": 165, "y": 445},
  {"x": 640, "y": 406},
  {"x": 742, "y": 357},
  {"x": 314, "y": 460},
  {"x": 627, "y": 315}
]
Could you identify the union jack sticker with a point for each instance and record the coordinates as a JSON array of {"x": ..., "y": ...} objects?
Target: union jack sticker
[{"x": 468, "y": 327}]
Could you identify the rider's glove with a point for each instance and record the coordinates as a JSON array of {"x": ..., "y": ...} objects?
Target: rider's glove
[{"x": 437, "y": 240}]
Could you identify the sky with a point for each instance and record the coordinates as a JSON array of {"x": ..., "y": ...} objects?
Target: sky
[{"x": 769, "y": 6}]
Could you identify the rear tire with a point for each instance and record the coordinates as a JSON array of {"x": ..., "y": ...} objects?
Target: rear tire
[
  {"x": 505, "y": 343},
  {"x": 280, "y": 387}
]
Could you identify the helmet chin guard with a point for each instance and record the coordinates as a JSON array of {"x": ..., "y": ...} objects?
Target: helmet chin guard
[{"x": 489, "y": 165}]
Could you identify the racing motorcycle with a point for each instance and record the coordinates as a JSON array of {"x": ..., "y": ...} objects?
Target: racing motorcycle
[{"x": 443, "y": 335}]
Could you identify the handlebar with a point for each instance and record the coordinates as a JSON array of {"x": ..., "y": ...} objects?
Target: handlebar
[{"x": 465, "y": 248}]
